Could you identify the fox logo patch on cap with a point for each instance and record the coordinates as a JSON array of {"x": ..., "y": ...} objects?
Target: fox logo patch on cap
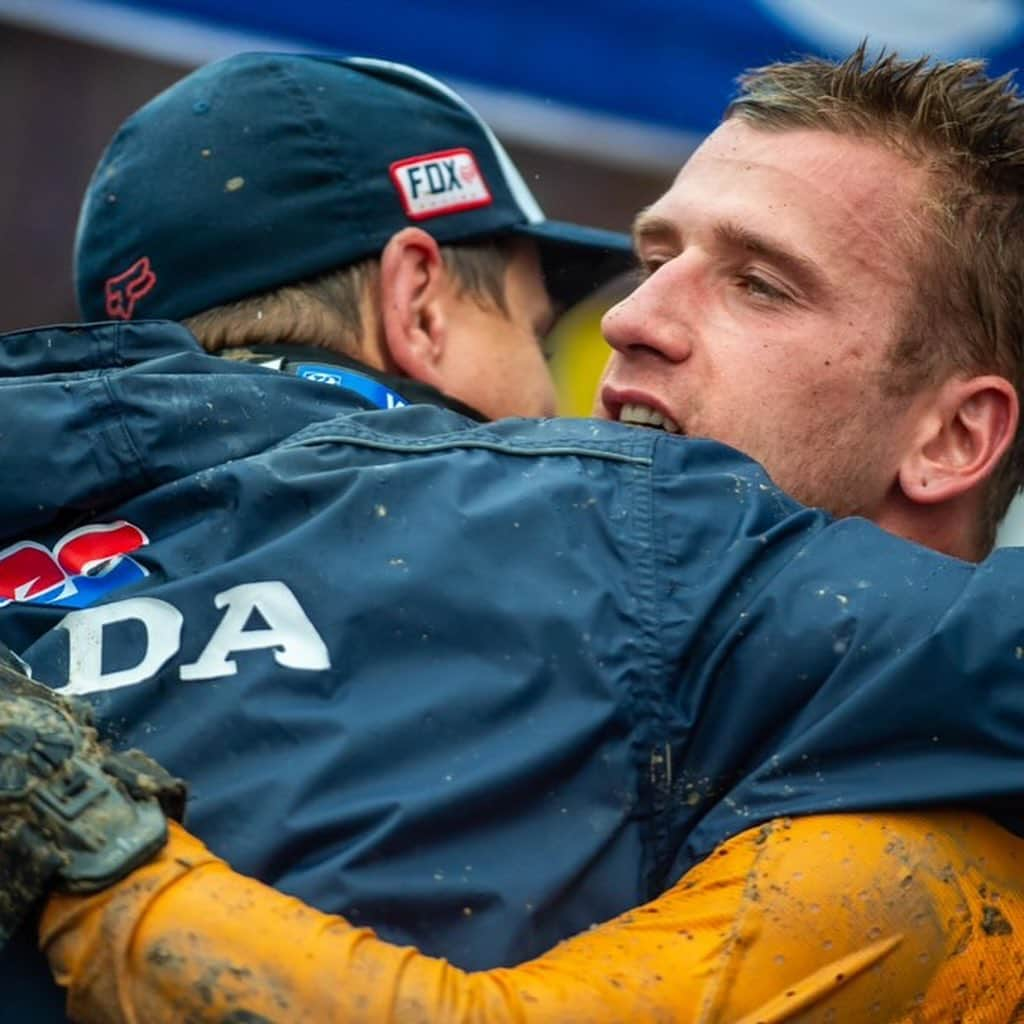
[
  {"x": 439, "y": 183},
  {"x": 125, "y": 289}
]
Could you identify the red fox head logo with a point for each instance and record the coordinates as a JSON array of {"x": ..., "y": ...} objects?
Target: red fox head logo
[{"x": 125, "y": 289}]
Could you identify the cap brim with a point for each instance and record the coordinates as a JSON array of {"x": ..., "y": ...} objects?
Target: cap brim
[{"x": 577, "y": 260}]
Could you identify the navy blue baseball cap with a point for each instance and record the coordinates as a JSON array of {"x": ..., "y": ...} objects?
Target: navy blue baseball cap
[{"x": 265, "y": 169}]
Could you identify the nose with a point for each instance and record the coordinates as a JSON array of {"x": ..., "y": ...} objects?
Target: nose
[{"x": 656, "y": 316}]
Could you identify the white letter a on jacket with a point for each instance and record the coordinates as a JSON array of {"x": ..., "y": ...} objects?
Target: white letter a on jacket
[{"x": 292, "y": 637}]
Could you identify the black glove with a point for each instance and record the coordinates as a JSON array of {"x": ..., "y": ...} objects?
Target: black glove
[{"x": 73, "y": 814}]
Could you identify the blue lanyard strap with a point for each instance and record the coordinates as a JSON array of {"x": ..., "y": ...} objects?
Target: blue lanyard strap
[{"x": 372, "y": 390}]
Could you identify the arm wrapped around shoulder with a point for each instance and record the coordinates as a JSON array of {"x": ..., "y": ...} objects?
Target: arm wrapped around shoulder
[{"x": 872, "y": 917}]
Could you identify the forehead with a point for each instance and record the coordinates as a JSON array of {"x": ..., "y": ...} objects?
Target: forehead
[{"x": 837, "y": 198}]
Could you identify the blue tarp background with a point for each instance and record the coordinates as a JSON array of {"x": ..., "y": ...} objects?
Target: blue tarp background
[{"x": 668, "y": 63}]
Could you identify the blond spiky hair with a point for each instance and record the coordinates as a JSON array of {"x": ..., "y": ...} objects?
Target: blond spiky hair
[{"x": 967, "y": 130}]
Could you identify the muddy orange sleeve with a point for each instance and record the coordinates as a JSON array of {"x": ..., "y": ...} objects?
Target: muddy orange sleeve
[{"x": 867, "y": 917}]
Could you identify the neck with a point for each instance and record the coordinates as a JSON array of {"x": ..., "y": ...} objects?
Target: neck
[{"x": 950, "y": 528}]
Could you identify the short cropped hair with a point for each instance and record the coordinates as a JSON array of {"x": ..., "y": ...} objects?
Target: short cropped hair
[
  {"x": 326, "y": 311},
  {"x": 967, "y": 131}
]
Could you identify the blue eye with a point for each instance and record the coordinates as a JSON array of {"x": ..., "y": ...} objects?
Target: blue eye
[{"x": 757, "y": 286}]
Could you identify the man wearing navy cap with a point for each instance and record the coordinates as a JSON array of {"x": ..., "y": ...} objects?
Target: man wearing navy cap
[
  {"x": 354, "y": 237},
  {"x": 356, "y": 211}
]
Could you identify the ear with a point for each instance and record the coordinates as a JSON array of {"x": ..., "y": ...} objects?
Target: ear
[
  {"x": 969, "y": 427},
  {"x": 414, "y": 285}
]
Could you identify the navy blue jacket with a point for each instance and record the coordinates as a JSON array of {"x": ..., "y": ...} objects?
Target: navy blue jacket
[{"x": 478, "y": 686}]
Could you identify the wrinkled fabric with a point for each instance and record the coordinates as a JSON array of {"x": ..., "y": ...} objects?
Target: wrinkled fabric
[{"x": 479, "y": 686}]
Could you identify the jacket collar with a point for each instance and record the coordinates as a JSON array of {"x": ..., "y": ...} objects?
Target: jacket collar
[{"x": 289, "y": 358}]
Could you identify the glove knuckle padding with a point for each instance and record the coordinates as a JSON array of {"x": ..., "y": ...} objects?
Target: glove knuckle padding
[{"x": 73, "y": 814}]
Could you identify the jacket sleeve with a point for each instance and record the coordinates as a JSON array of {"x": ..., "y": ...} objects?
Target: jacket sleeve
[{"x": 863, "y": 915}]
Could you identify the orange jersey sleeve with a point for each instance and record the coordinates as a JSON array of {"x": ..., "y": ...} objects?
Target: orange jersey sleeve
[{"x": 910, "y": 918}]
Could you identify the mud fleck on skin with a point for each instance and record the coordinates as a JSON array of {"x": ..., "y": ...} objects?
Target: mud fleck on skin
[{"x": 993, "y": 922}]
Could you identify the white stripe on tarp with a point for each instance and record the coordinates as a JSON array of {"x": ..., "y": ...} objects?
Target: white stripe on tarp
[
  {"x": 170, "y": 37},
  {"x": 558, "y": 127},
  {"x": 573, "y": 131}
]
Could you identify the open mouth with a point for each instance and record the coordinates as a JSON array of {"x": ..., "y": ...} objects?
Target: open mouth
[{"x": 636, "y": 415}]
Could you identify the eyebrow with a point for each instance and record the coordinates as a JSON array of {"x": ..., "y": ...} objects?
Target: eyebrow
[{"x": 650, "y": 228}]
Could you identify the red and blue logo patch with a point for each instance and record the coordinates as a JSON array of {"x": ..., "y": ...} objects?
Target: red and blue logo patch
[{"x": 84, "y": 566}]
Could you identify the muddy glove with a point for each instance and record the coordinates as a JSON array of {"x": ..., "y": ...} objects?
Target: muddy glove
[{"x": 73, "y": 814}]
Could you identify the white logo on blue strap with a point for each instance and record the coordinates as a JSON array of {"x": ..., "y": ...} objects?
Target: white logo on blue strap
[{"x": 372, "y": 390}]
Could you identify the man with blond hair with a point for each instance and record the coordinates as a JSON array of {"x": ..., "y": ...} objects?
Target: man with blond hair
[{"x": 800, "y": 735}]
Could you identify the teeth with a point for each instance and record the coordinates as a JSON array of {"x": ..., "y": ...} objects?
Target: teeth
[{"x": 644, "y": 416}]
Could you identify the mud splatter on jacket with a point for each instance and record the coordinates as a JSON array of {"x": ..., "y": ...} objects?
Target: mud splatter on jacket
[{"x": 477, "y": 686}]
